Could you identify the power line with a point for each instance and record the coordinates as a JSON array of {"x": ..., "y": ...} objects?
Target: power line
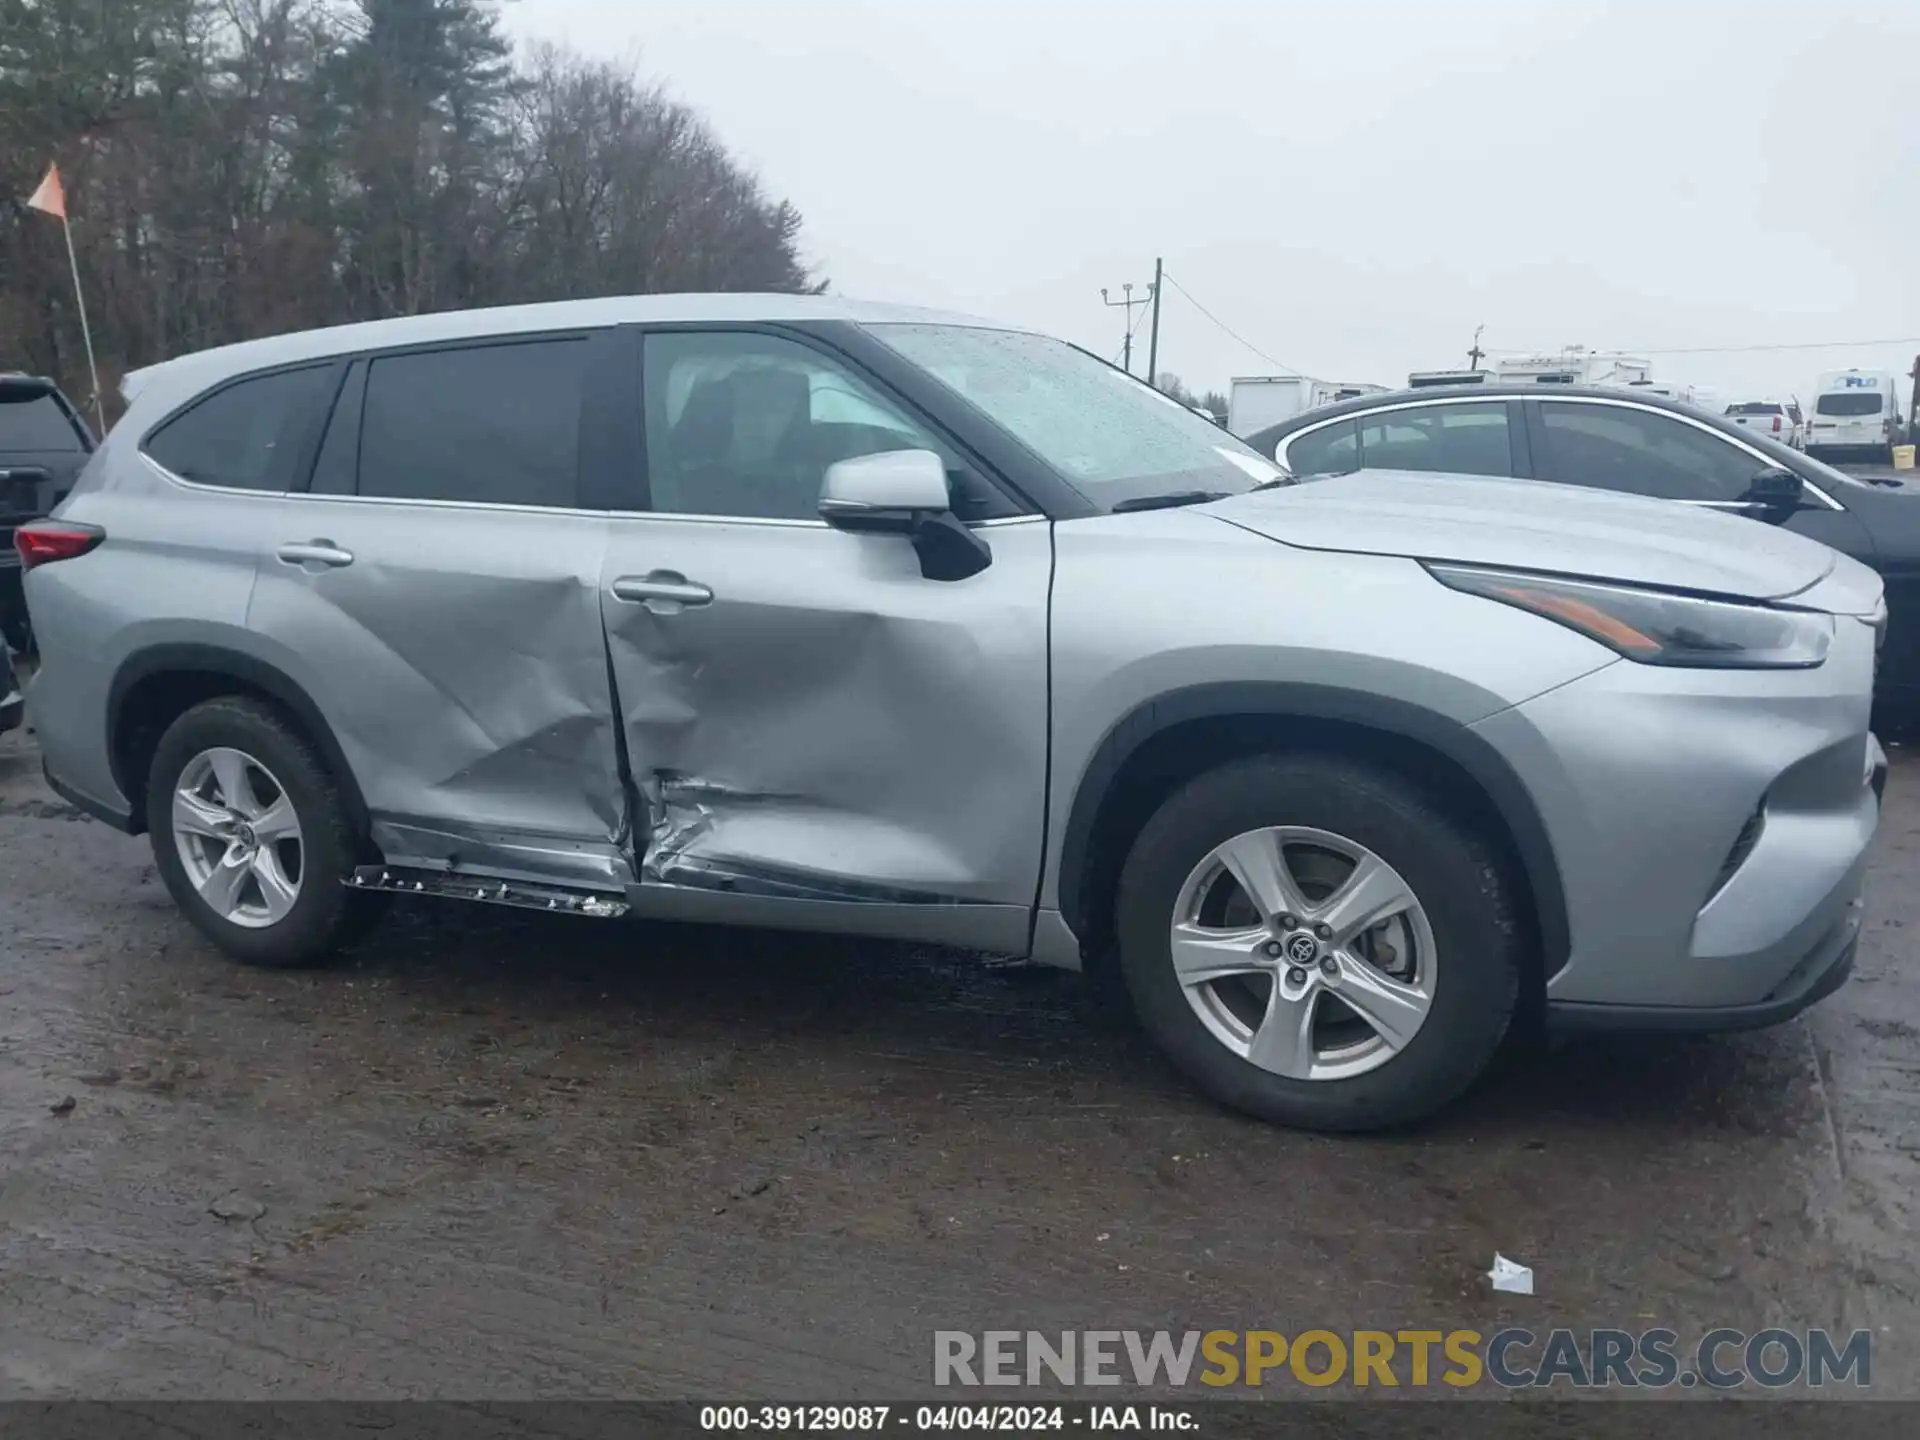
[
  {"x": 1807, "y": 345},
  {"x": 1291, "y": 369},
  {"x": 1735, "y": 349}
]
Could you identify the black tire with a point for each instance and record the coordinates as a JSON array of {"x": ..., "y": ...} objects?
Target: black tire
[
  {"x": 1468, "y": 899},
  {"x": 326, "y": 914}
]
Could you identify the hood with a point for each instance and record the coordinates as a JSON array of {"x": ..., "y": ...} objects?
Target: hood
[{"x": 1532, "y": 525}]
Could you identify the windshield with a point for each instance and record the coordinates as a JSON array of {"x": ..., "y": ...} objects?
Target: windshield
[
  {"x": 1113, "y": 437},
  {"x": 1849, "y": 402}
]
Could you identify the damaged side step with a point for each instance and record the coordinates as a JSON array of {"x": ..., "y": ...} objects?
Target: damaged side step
[{"x": 404, "y": 881}]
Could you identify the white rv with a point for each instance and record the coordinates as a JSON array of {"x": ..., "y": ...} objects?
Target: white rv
[
  {"x": 1856, "y": 412},
  {"x": 1575, "y": 365}
]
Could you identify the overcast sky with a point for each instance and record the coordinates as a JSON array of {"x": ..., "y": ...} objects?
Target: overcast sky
[{"x": 1351, "y": 185}]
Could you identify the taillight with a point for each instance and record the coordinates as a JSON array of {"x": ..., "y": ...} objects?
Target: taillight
[
  {"x": 41, "y": 541},
  {"x": 1776, "y": 424}
]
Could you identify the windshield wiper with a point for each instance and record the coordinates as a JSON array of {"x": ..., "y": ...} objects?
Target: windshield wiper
[
  {"x": 1168, "y": 501},
  {"x": 1276, "y": 483}
]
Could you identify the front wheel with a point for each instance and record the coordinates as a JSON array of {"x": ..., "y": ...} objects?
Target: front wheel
[
  {"x": 1319, "y": 942},
  {"x": 251, "y": 835}
]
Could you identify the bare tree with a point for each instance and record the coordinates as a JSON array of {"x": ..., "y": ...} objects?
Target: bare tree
[{"x": 241, "y": 167}]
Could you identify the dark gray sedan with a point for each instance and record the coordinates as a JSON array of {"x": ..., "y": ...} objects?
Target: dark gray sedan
[{"x": 1614, "y": 439}]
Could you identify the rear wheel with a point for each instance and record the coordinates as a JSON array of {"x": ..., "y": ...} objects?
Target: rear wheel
[
  {"x": 251, "y": 835},
  {"x": 1318, "y": 942}
]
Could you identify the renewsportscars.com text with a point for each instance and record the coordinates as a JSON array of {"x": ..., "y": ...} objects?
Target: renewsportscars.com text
[{"x": 1512, "y": 1358}]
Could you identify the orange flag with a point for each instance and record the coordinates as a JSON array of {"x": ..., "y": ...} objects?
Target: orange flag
[{"x": 50, "y": 197}]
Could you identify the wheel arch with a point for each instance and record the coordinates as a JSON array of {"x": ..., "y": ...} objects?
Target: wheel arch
[
  {"x": 1164, "y": 742},
  {"x": 155, "y": 686}
]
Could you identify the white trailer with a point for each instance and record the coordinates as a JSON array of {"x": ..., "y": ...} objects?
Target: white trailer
[{"x": 1256, "y": 401}]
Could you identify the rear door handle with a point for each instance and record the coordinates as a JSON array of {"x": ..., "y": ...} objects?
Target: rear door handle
[
  {"x": 323, "y": 553},
  {"x": 665, "y": 592}
]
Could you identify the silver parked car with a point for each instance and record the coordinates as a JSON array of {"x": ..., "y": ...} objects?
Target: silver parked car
[{"x": 793, "y": 612}]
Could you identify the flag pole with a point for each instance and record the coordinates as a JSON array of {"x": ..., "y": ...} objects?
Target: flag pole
[{"x": 86, "y": 331}]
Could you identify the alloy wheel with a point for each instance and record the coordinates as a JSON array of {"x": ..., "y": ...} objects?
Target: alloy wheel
[
  {"x": 1304, "y": 953},
  {"x": 239, "y": 837}
]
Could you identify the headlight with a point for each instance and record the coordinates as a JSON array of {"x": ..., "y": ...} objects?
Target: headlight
[{"x": 1655, "y": 627}]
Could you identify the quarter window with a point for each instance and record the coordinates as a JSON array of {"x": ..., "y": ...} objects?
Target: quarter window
[
  {"x": 243, "y": 437},
  {"x": 1454, "y": 439},
  {"x": 1611, "y": 447},
  {"x": 487, "y": 424},
  {"x": 1330, "y": 450}
]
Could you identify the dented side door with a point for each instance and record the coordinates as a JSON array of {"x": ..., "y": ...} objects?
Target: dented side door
[
  {"x": 819, "y": 736},
  {"x": 452, "y": 644}
]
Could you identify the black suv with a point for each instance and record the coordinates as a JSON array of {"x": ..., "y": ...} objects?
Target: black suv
[
  {"x": 1618, "y": 439},
  {"x": 43, "y": 445}
]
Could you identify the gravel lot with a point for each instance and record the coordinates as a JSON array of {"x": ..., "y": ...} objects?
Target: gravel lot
[{"x": 505, "y": 1155}]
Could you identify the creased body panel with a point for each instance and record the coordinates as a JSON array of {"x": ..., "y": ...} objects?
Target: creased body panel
[
  {"x": 832, "y": 726},
  {"x": 460, "y": 661}
]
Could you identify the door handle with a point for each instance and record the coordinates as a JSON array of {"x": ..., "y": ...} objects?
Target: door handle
[
  {"x": 665, "y": 592},
  {"x": 323, "y": 553}
]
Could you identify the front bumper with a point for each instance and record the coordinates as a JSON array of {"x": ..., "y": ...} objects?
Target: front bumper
[
  {"x": 1711, "y": 831},
  {"x": 1824, "y": 971}
]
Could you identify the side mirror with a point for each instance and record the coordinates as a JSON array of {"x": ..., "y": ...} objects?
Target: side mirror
[
  {"x": 883, "y": 490},
  {"x": 904, "y": 492},
  {"x": 1777, "y": 493}
]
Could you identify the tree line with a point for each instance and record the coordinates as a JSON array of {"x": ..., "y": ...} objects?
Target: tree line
[
  {"x": 237, "y": 168},
  {"x": 1213, "y": 401}
]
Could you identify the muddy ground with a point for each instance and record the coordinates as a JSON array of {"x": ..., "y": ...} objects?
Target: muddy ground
[{"x": 506, "y": 1155}]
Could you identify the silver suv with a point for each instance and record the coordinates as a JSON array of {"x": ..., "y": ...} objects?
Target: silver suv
[{"x": 793, "y": 612}]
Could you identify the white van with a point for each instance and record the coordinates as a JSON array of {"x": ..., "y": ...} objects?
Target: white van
[{"x": 1856, "y": 411}]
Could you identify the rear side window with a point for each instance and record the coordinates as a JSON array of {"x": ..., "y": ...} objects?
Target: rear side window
[
  {"x": 489, "y": 424},
  {"x": 243, "y": 437},
  {"x": 1330, "y": 450},
  {"x": 36, "y": 424},
  {"x": 1850, "y": 402}
]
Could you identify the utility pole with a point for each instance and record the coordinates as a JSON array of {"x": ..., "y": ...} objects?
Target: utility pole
[
  {"x": 1474, "y": 355},
  {"x": 1128, "y": 304},
  {"x": 1153, "y": 328}
]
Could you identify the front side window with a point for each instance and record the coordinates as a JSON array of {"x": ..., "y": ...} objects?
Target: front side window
[
  {"x": 1110, "y": 436},
  {"x": 745, "y": 425},
  {"x": 1641, "y": 452},
  {"x": 1452, "y": 439},
  {"x": 1329, "y": 450},
  {"x": 485, "y": 424},
  {"x": 243, "y": 437}
]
